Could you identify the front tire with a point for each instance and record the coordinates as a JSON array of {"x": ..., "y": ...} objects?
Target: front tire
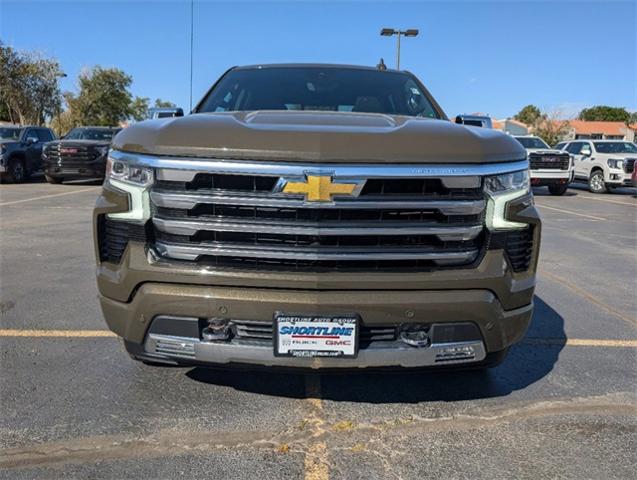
[
  {"x": 596, "y": 182},
  {"x": 558, "y": 189},
  {"x": 53, "y": 180},
  {"x": 16, "y": 172}
]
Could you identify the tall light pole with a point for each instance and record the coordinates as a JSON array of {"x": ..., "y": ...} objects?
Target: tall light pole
[
  {"x": 388, "y": 32},
  {"x": 192, "y": 34}
]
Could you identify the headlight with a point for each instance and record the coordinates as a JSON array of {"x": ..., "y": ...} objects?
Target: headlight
[
  {"x": 507, "y": 182},
  {"x": 120, "y": 170},
  {"x": 501, "y": 189},
  {"x": 3, "y": 148},
  {"x": 615, "y": 163},
  {"x": 123, "y": 174}
]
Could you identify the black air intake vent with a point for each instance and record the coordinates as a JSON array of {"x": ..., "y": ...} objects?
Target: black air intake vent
[
  {"x": 114, "y": 236},
  {"x": 519, "y": 249}
]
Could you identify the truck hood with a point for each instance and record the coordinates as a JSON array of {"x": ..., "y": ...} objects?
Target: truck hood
[{"x": 319, "y": 137}]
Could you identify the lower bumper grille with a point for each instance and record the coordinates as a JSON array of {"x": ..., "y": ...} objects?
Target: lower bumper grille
[{"x": 263, "y": 332}]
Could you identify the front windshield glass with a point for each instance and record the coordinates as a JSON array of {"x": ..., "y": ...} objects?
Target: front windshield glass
[
  {"x": 532, "y": 142},
  {"x": 90, "y": 134},
  {"x": 615, "y": 147},
  {"x": 319, "y": 89},
  {"x": 9, "y": 133}
]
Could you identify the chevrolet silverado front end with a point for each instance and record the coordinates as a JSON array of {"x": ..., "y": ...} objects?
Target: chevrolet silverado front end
[{"x": 316, "y": 216}]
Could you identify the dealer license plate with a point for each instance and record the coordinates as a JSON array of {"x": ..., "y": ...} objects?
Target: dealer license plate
[{"x": 316, "y": 335}]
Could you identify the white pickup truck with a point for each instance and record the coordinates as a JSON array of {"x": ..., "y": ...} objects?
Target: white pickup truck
[
  {"x": 547, "y": 167},
  {"x": 603, "y": 164}
]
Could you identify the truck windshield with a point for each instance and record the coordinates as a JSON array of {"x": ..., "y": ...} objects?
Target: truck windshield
[
  {"x": 90, "y": 134},
  {"x": 615, "y": 147},
  {"x": 9, "y": 133},
  {"x": 319, "y": 89},
  {"x": 531, "y": 142}
]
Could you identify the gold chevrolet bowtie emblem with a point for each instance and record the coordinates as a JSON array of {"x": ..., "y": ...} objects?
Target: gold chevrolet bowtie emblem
[{"x": 319, "y": 188}]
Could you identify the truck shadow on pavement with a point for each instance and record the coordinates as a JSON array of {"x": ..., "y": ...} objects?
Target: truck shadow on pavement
[{"x": 527, "y": 363}]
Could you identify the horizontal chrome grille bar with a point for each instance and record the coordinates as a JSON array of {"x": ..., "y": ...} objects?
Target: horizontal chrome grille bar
[
  {"x": 183, "y": 169},
  {"x": 445, "y": 233},
  {"x": 193, "y": 252},
  {"x": 188, "y": 201}
]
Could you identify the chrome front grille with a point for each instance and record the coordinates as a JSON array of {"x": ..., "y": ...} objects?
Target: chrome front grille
[
  {"x": 549, "y": 161},
  {"x": 402, "y": 217},
  {"x": 71, "y": 155},
  {"x": 629, "y": 165}
]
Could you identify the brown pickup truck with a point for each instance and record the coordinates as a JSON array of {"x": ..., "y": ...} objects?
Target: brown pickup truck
[{"x": 316, "y": 216}]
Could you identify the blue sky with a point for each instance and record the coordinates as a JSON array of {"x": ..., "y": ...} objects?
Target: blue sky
[{"x": 491, "y": 57}]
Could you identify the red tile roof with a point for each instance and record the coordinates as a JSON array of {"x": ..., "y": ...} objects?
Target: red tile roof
[{"x": 605, "y": 128}]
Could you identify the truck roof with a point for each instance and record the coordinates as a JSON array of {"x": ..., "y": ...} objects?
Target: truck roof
[{"x": 313, "y": 65}]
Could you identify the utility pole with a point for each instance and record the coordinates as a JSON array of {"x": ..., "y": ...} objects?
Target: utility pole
[{"x": 388, "y": 32}]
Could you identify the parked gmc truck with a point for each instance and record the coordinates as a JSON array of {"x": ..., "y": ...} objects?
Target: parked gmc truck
[{"x": 316, "y": 216}]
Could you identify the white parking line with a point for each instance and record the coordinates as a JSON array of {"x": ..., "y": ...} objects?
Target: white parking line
[
  {"x": 584, "y": 294},
  {"x": 570, "y": 212},
  {"x": 48, "y": 196},
  {"x": 606, "y": 200}
]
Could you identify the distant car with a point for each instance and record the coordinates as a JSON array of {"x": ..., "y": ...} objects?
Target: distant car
[
  {"x": 548, "y": 167},
  {"x": 81, "y": 153},
  {"x": 21, "y": 151},
  {"x": 603, "y": 164},
  {"x": 474, "y": 120},
  {"x": 165, "y": 112}
]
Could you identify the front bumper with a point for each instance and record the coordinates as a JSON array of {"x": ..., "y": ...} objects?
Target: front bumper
[
  {"x": 545, "y": 177},
  {"x": 497, "y": 327},
  {"x": 620, "y": 179},
  {"x": 62, "y": 169}
]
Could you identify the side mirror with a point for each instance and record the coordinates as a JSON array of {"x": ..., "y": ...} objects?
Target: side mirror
[
  {"x": 586, "y": 153},
  {"x": 31, "y": 140}
]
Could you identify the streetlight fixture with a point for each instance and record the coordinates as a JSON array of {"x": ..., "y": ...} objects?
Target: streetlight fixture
[{"x": 388, "y": 32}]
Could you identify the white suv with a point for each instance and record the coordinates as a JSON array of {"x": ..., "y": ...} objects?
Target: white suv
[
  {"x": 547, "y": 167},
  {"x": 603, "y": 164}
]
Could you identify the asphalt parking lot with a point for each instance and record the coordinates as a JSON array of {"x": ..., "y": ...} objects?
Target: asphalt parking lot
[{"x": 73, "y": 405}]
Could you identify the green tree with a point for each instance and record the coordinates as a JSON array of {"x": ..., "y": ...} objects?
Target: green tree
[
  {"x": 29, "y": 86},
  {"x": 139, "y": 108},
  {"x": 605, "y": 113},
  {"x": 528, "y": 115},
  {"x": 159, "y": 103},
  {"x": 550, "y": 129},
  {"x": 104, "y": 98},
  {"x": 5, "y": 115},
  {"x": 633, "y": 118}
]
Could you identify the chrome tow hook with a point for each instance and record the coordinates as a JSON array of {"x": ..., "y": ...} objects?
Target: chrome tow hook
[
  {"x": 416, "y": 338},
  {"x": 217, "y": 330}
]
